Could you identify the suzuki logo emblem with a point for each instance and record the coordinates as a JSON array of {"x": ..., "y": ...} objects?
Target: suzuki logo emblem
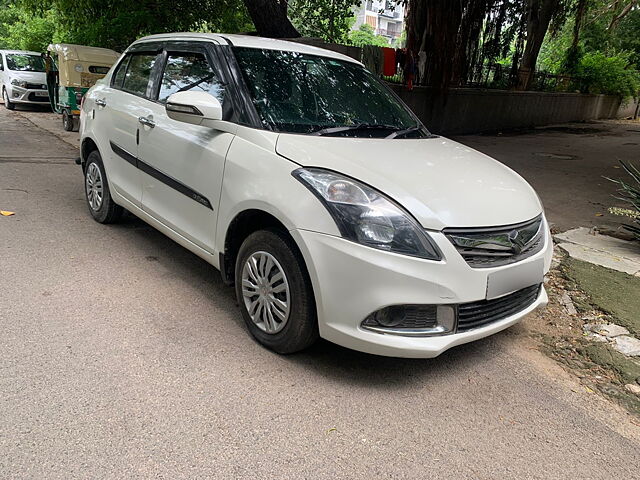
[{"x": 517, "y": 243}]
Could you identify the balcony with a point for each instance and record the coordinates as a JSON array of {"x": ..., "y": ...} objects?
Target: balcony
[{"x": 386, "y": 32}]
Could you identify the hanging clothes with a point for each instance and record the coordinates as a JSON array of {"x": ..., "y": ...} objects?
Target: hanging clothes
[{"x": 389, "y": 64}]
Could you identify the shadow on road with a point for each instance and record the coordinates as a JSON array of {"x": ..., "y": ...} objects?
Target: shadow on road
[{"x": 324, "y": 358}]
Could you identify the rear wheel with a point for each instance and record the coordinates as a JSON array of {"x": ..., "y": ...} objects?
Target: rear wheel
[
  {"x": 101, "y": 206},
  {"x": 274, "y": 292},
  {"x": 7, "y": 103}
]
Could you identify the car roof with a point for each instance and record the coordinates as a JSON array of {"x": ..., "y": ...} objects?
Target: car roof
[
  {"x": 81, "y": 53},
  {"x": 250, "y": 41},
  {"x": 28, "y": 52}
]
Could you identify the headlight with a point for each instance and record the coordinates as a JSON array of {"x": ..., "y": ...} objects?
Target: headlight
[
  {"x": 19, "y": 83},
  {"x": 365, "y": 216}
]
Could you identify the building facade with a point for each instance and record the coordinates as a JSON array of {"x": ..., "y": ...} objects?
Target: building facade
[{"x": 384, "y": 16}]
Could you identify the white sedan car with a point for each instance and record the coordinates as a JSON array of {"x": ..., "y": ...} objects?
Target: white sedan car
[
  {"x": 22, "y": 78},
  {"x": 316, "y": 192}
]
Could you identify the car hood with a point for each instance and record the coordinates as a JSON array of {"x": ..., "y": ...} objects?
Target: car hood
[
  {"x": 440, "y": 182},
  {"x": 31, "y": 77}
]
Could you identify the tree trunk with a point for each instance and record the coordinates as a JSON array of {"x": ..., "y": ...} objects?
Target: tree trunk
[
  {"x": 270, "y": 18},
  {"x": 539, "y": 14}
]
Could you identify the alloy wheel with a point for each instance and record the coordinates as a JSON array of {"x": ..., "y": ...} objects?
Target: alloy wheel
[
  {"x": 265, "y": 291},
  {"x": 93, "y": 184}
]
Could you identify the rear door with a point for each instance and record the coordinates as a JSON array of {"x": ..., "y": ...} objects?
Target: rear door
[
  {"x": 118, "y": 109},
  {"x": 183, "y": 164}
]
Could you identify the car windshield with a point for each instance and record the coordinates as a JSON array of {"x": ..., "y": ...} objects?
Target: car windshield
[
  {"x": 299, "y": 93},
  {"x": 25, "y": 63}
]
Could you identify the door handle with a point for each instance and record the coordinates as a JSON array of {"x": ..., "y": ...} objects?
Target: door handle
[
  {"x": 147, "y": 122},
  {"x": 101, "y": 103}
]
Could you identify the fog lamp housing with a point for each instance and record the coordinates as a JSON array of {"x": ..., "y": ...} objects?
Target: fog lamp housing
[{"x": 413, "y": 320}]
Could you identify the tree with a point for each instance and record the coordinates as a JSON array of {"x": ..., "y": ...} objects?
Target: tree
[
  {"x": 117, "y": 23},
  {"x": 366, "y": 36},
  {"x": 539, "y": 15},
  {"x": 20, "y": 29},
  {"x": 270, "y": 18},
  {"x": 330, "y": 20}
]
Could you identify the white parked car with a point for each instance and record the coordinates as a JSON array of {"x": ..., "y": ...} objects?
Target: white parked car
[
  {"x": 315, "y": 191},
  {"x": 22, "y": 78}
]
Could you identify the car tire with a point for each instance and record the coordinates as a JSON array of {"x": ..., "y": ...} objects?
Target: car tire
[
  {"x": 67, "y": 121},
  {"x": 279, "y": 256},
  {"x": 96, "y": 188},
  {"x": 5, "y": 98}
]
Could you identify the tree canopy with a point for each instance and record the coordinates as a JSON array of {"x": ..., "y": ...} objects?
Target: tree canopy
[{"x": 591, "y": 40}]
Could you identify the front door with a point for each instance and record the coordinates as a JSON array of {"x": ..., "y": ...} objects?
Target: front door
[
  {"x": 117, "y": 112},
  {"x": 183, "y": 164}
]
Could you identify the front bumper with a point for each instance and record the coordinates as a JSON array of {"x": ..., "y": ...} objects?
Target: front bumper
[
  {"x": 25, "y": 95},
  {"x": 352, "y": 281}
]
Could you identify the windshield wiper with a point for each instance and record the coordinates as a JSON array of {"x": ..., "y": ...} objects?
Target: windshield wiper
[
  {"x": 361, "y": 126},
  {"x": 406, "y": 131}
]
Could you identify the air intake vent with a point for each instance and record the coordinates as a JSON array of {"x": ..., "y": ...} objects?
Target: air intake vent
[{"x": 478, "y": 314}]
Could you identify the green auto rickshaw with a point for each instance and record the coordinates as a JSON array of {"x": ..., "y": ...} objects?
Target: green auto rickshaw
[{"x": 71, "y": 71}]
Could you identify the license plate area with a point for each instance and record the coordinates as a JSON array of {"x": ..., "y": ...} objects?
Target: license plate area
[
  {"x": 515, "y": 278},
  {"x": 42, "y": 94}
]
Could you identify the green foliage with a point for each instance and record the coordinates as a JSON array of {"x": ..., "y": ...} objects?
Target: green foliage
[
  {"x": 599, "y": 73},
  {"x": 330, "y": 20},
  {"x": 366, "y": 36},
  {"x": 20, "y": 29},
  {"x": 630, "y": 193},
  {"x": 116, "y": 23}
]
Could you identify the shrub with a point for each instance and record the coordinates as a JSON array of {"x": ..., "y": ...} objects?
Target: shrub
[
  {"x": 599, "y": 73},
  {"x": 630, "y": 194}
]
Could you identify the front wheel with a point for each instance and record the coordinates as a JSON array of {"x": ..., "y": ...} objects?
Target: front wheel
[
  {"x": 274, "y": 292},
  {"x": 67, "y": 121},
  {"x": 101, "y": 206},
  {"x": 7, "y": 103}
]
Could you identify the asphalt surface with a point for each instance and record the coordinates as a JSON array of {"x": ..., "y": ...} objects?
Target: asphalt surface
[
  {"x": 568, "y": 165},
  {"x": 122, "y": 355}
]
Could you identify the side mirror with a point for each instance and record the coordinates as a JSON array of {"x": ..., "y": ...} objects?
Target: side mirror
[{"x": 196, "y": 108}]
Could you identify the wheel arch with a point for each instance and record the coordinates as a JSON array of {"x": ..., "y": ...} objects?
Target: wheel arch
[
  {"x": 240, "y": 227},
  {"x": 88, "y": 145}
]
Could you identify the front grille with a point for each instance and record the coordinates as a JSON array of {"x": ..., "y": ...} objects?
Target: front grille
[
  {"x": 36, "y": 86},
  {"x": 34, "y": 98},
  {"x": 478, "y": 314},
  {"x": 493, "y": 247}
]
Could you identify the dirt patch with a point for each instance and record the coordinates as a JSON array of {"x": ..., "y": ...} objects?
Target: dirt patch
[
  {"x": 616, "y": 293},
  {"x": 561, "y": 335}
]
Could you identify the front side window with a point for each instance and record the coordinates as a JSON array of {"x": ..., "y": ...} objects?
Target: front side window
[
  {"x": 189, "y": 71},
  {"x": 299, "y": 93},
  {"x": 23, "y": 62},
  {"x": 138, "y": 75}
]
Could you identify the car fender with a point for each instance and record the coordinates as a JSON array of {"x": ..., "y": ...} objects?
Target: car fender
[{"x": 257, "y": 178}]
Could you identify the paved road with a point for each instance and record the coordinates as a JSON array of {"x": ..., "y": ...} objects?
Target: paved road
[
  {"x": 123, "y": 356},
  {"x": 566, "y": 164}
]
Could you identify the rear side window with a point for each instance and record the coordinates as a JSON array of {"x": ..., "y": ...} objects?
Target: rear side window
[
  {"x": 118, "y": 75},
  {"x": 138, "y": 75},
  {"x": 189, "y": 71}
]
